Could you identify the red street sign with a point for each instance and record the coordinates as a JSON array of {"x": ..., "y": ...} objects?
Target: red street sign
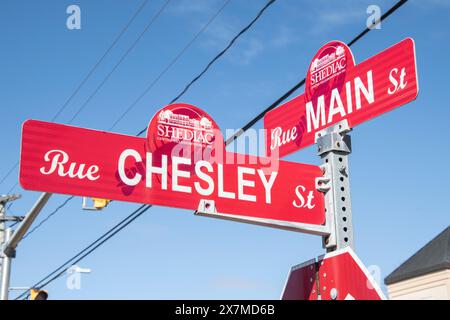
[
  {"x": 181, "y": 162},
  {"x": 301, "y": 282},
  {"x": 343, "y": 271},
  {"x": 338, "y": 275},
  {"x": 336, "y": 89}
]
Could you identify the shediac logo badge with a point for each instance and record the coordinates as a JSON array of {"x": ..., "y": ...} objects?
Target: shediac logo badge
[
  {"x": 329, "y": 65},
  {"x": 184, "y": 129},
  {"x": 182, "y": 124}
]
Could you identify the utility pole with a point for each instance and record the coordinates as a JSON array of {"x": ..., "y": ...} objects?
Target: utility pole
[
  {"x": 10, "y": 239},
  {"x": 5, "y": 232}
]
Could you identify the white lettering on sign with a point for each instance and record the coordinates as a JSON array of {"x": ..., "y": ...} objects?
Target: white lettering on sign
[
  {"x": 267, "y": 183},
  {"x": 122, "y": 174},
  {"x": 245, "y": 183},
  {"x": 321, "y": 115},
  {"x": 59, "y": 163},
  {"x": 246, "y": 177},
  {"x": 280, "y": 137},
  {"x": 175, "y": 134},
  {"x": 330, "y": 70},
  {"x": 302, "y": 202},
  {"x": 177, "y": 172},
  {"x": 397, "y": 85},
  {"x": 206, "y": 178}
]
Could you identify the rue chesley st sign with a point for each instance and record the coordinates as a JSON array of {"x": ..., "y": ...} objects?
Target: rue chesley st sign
[
  {"x": 181, "y": 162},
  {"x": 336, "y": 89}
]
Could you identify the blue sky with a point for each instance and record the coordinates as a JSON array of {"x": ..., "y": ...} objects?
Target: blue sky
[{"x": 399, "y": 203}]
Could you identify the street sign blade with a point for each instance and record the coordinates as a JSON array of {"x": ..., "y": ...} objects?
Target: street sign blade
[
  {"x": 340, "y": 90},
  {"x": 70, "y": 160}
]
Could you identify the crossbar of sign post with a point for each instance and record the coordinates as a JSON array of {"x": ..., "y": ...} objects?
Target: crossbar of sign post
[{"x": 183, "y": 163}]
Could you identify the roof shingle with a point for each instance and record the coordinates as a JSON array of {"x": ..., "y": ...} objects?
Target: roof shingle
[{"x": 434, "y": 256}]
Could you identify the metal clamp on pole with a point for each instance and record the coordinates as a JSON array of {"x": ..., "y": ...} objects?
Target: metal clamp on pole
[{"x": 334, "y": 146}]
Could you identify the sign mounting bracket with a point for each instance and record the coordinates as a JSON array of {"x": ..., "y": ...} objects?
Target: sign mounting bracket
[{"x": 207, "y": 208}]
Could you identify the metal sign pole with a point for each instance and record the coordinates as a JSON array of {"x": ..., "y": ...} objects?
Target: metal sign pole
[{"x": 334, "y": 146}]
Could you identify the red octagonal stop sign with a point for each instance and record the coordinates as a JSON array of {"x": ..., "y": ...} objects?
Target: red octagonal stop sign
[{"x": 338, "y": 275}]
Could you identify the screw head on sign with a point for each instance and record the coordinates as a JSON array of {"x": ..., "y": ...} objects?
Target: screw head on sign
[
  {"x": 334, "y": 293},
  {"x": 324, "y": 275}
]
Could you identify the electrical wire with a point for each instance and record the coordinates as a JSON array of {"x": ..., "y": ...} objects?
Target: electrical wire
[
  {"x": 252, "y": 122},
  {"x": 85, "y": 79},
  {"x": 9, "y": 172},
  {"x": 60, "y": 270},
  {"x": 48, "y": 217},
  {"x": 220, "y": 54},
  {"x": 89, "y": 249},
  {"x": 287, "y": 94},
  {"x": 213, "y": 17},
  {"x": 119, "y": 62},
  {"x": 167, "y": 68},
  {"x": 105, "y": 79}
]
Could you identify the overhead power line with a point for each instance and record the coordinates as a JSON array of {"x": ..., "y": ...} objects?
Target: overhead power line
[
  {"x": 63, "y": 268},
  {"x": 122, "y": 58},
  {"x": 167, "y": 68},
  {"x": 220, "y": 54},
  {"x": 88, "y": 250},
  {"x": 48, "y": 217},
  {"x": 9, "y": 172},
  {"x": 268, "y": 4},
  {"x": 258, "y": 117},
  {"x": 106, "y": 78},
  {"x": 253, "y": 121},
  {"x": 244, "y": 128},
  {"x": 196, "y": 78},
  {"x": 113, "y": 44},
  {"x": 212, "y": 18},
  {"x": 85, "y": 79}
]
